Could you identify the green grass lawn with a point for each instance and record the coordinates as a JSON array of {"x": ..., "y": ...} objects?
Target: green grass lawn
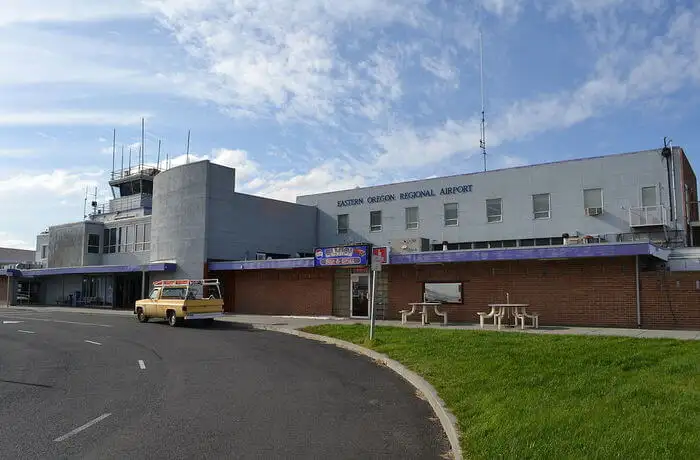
[{"x": 552, "y": 396}]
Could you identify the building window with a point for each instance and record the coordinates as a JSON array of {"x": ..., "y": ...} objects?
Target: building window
[
  {"x": 143, "y": 237},
  {"x": 375, "y": 221},
  {"x": 147, "y": 237},
  {"x": 451, "y": 212},
  {"x": 541, "y": 206},
  {"x": 649, "y": 197},
  {"x": 343, "y": 223},
  {"x": 44, "y": 250},
  {"x": 593, "y": 201},
  {"x": 93, "y": 245},
  {"x": 412, "y": 218},
  {"x": 121, "y": 243},
  {"x": 493, "y": 210},
  {"x": 109, "y": 244}
]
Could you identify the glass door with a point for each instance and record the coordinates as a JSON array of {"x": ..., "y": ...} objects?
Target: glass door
[{"x": 359, "y": 295}]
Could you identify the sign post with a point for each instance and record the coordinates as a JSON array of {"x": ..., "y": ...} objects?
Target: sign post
[
  {"x": 376, "y": 267},
  {"x": 379, "y": 257}
]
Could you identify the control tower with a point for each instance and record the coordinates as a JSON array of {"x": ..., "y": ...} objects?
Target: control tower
[{"x": 132, "y": 194}]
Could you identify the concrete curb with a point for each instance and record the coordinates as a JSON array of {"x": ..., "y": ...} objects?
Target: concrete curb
[{"x": 447, "y": 419}]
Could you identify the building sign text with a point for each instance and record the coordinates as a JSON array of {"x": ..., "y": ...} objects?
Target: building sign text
[{"x": 460, "y": 189}]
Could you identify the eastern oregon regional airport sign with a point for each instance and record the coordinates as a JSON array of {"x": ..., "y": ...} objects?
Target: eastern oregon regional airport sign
[{"x": 427, "y": 193}]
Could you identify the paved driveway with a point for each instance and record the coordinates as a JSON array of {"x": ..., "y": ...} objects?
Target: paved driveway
[{"x": 98, "y": 386}]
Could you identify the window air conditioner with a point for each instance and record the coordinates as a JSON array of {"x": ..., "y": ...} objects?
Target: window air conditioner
[{"x": 594, "y": 211}]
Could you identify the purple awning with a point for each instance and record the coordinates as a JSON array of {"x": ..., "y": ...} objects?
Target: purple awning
[
  {"x": 97, "y": 269},
  {"x": 529, "y": 253}
]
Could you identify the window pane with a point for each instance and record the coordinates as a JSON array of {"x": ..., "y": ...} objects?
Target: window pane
[
  {"x": 593, "y": 198},
  {"x": 343, "y": 221},
  {"x": 493, "y": 210},
  {"x": 412, "y": 217},
  {"x": 540, "y": 206},
  {"x": 375, "y": 221},
  {"x": 451, "y": 213},
  {"x": 649, "y": 196}
]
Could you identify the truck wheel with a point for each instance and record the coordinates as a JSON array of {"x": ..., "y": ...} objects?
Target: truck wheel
[
  {"x": 141, "y": 316},
  {"x": 172, "y": 319}
]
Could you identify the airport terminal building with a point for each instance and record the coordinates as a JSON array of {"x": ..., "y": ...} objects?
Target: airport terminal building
[{"x": 609, "y": 241}]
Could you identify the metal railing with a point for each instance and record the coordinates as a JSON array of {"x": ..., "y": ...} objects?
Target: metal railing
[
  {"x": 146, "y": 170},
  {"x": 649, "y": 216},
  {"x": 127, "y": 203}
]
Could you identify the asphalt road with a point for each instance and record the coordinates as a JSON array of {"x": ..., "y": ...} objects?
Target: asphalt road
[{"x": 98, "y": 386}]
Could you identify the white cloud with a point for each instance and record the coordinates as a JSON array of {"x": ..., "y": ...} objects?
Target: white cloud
[
  {"x": 40, "y": 201},
  {"x": 16, "y": 153},
  {"x": 32, "y": 11},
  {"x": 8, "y": 240},
  {"x": 71, "y": 118},
  {"x": 252, "y": 177},
  {"x": 287, "y": 58},
  {"x": 502, "y": 7},
  {"x": 408, "y": 148}
]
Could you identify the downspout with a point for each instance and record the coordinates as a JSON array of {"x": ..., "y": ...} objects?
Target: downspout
[
  {"x": 636, "y": 278},
  {"x": 675, "y": 197}
]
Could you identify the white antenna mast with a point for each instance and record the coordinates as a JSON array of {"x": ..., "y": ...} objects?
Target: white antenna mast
[{"x": 482, "y": 141}]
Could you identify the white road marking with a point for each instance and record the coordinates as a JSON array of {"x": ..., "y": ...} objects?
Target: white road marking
[
  {"x": 61, "y": 321},
  {"x": 11, "y": 322},
  {"x": 81, "y": 428},
  {"x": 95, "y": 343},
  {"x": 26, "y": 332},
  {"x": 142, "y": 365}
]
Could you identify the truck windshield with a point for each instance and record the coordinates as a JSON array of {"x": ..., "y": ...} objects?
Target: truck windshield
[{"x": 174, "y": 293}]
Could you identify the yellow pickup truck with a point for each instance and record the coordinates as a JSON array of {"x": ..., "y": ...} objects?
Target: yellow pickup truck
[{"x": 182, "y": 300}]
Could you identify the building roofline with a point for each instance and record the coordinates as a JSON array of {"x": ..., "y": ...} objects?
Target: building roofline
[{"x": 475, "y": 173}]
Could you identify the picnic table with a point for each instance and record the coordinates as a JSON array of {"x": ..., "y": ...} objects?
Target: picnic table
[
  {"x": 424, "y": 306},
  {"x": 517, "y": 311}
]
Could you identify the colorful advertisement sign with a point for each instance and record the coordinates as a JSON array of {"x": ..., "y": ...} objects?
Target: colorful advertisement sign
[
  {"x": 381, "y": 253},
  {"x": 342, "y": 256}
]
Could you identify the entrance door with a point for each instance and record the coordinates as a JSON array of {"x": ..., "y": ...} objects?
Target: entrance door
[{"x": 359, "y": 295}]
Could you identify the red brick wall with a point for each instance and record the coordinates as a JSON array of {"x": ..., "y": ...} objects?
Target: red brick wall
[
  {"x": 284, "y": 292},
  {"x": 587, "y": 292},
  {"x": 670, "y": 300}
]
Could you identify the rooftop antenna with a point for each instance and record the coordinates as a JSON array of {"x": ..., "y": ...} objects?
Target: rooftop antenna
[
  {"x": 114, "y": 149},
  {"x": 167, "y": 161},
  {"x": 187, "y": 155},
  {"x": 128, "y": 173},
  {"x": 121, "y": 174},
  {"x": 158, "y": 162},
  {"x": 85, "y": 204},
  {"x": 143, "y": 147},
  {"x": 482, "y": 141}
]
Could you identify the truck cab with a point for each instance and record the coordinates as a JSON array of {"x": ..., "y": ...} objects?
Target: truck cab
[{"x": 178, "y": 301}]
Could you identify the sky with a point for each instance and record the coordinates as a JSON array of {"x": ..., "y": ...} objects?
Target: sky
[{"x": 306, "y": 96}]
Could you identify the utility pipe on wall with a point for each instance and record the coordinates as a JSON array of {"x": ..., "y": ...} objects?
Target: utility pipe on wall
[{"x": 636, "y": 276}]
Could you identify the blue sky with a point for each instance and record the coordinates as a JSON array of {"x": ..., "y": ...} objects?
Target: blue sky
[{"x": 305, "y": 96}]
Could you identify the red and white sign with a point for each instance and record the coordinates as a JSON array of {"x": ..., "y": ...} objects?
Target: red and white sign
[{"x": 381, "y": 253}]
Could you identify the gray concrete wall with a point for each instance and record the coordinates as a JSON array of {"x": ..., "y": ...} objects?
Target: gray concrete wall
[
  {"x": 66, "y": 245},
  {"x": 135, "y": 258},
  {"x": 41, "y": 240},
  {"x": 240, "y": 225},
  {"x": 95, "y": 228},
  {"x": 178, "y": 221},
  {"x": 620, "y": 176},
  {"x": 8, "y": 255}
]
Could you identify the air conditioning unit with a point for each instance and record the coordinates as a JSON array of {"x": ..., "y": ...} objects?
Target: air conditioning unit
[{"x": 594, "y": 211}]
